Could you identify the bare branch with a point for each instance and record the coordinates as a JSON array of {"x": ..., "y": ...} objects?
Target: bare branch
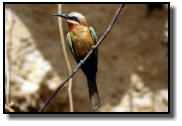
[
  {"x": 87, "y": 56},
  {"x": 9, "y": 103},
  {"x": 8, "y": 40},
  {"x": 66, "y": 58},
  {"x": 7, "y": 77}
]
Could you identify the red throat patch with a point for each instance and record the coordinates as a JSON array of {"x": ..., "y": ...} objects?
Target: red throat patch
[{"x": 72, "y": 25}]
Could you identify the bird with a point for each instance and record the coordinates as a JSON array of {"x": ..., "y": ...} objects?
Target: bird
[{"x": 80, "y": 40}]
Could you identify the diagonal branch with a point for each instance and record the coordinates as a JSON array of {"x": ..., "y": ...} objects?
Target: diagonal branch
[{"x": 86, "y": 57}]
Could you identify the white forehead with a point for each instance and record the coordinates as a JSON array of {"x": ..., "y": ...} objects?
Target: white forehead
[{"x": 76, "y": 14}]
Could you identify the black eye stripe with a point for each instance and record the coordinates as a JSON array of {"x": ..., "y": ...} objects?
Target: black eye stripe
[{"x": 75, "y": 19}]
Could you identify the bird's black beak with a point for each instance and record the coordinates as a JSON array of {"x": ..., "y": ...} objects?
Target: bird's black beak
[
  {"x": 62, "y": 15},
  {"x": 73, "y": 18}
]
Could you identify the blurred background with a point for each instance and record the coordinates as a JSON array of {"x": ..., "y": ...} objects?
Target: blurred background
[{"x": 133, "y": 59}]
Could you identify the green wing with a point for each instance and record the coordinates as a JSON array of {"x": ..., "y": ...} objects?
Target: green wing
[
  {"x": 93, "y": 34},
  {"x": 71, "y": 46},
  {"x": 94, "y": 37}
]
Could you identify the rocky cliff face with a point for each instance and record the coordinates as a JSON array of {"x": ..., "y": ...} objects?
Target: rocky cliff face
[{"x": 133, "y": 59}]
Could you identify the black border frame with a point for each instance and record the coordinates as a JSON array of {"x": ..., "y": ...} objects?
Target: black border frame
[{"x": 103, "y": 114}]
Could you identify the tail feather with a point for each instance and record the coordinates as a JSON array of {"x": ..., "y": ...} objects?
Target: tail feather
[{"x": 93, "y": 94}]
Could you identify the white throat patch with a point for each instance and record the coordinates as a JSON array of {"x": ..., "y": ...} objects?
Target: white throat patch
[{"x": 72, "y": 22}]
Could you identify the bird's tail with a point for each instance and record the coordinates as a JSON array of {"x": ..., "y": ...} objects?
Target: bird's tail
[{"x": 93, "y": 94}]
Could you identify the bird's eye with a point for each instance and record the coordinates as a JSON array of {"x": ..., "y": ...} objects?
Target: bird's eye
[{"x": 75, "y": 19}]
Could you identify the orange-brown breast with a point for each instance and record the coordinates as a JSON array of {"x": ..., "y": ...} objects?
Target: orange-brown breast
[{"x": 82, "y": 40}]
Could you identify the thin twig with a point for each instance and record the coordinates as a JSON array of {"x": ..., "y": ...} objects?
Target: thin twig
[
  {"x": 7, "y": 77},
  {"x": 9, "y": 103},
  {"x": 8, "y": 40},
  {"x": 6, "y": 61},
  {"x": 8, "y": 107},
  {"x": 87, "y": 56},
  {"x": 66, "y": 58}
]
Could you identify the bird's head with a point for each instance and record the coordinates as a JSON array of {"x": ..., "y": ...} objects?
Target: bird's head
[{"x": 73, "y": 19}]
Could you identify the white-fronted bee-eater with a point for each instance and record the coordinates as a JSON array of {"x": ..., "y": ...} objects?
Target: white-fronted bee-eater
[{"x": 80, "y": 39}]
